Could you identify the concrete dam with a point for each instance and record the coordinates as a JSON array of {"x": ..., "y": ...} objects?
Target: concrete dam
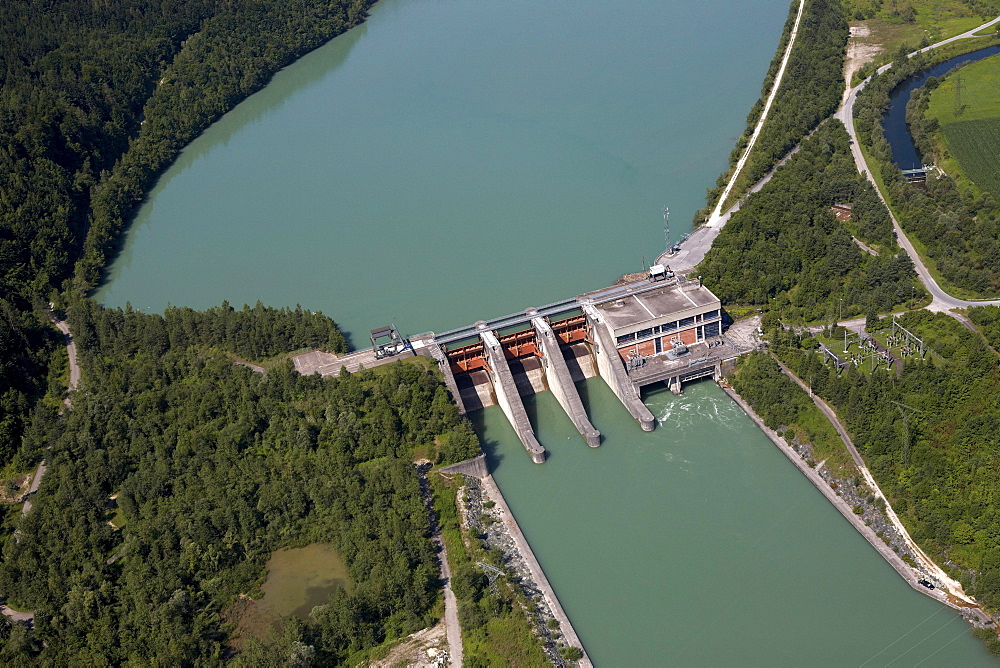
[{"x": 660, "y": 328}]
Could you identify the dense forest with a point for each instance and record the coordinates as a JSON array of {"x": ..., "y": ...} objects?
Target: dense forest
[
  {"x": 214, "y": 466},
  {"x": 786, "y": 245},
  {"x": 938, "y": 466},
  {"x": 987, "y": 319},
  {"x": 960, "y": 232},
  {"x": 809, "y": 92},
  {"x": 97, "y": 99},
  {"x": 25, "y": 348}
]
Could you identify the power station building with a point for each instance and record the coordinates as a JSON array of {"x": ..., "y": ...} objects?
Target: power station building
[{"x": 662, "y": 320}]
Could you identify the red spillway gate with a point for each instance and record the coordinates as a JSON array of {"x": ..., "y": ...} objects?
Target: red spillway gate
[{"x": 516, "y": 345}]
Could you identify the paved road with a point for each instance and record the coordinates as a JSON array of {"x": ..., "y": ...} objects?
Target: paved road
[
  {"x": 714, "y": 219},
  {"x": 941, "y": 300},
  {"x": 74, "y": 381},
  {"x": 35, "y": 482}
]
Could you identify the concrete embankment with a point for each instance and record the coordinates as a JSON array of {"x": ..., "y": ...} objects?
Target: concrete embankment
[
  {"x": 887, "y": 553},
  {"x": 493, "y": 492}
]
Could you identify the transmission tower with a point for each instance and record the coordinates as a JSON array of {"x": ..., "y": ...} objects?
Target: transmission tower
[
  {"x": 903, "y": 408},
  {"x": 492, "y": 575},
  {"x": 959, "y": 107}
]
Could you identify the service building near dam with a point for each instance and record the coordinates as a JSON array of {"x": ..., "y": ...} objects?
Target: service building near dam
[{"x": 661, "y": 328}]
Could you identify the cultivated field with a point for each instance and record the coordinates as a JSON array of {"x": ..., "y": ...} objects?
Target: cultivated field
[
  {"x": 976, "y": 146},
  {"x": 967, "y": 107},
  {"x": 979, "y": 96}
]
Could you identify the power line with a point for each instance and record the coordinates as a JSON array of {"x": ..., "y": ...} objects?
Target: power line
[
  {"x": 906, "y": 427},
  {"x": 959, "y": 107}
]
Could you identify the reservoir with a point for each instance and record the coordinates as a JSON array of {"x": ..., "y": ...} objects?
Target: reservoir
[
  {"x": 904, "y": 152},
  {"x": 452, "y": 161}
]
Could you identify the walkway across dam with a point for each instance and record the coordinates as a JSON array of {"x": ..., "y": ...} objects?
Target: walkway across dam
[{"x": 659, "y": 329}]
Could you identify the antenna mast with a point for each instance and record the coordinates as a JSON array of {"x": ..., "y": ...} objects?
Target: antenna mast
[{"x": 666, "y": 227}]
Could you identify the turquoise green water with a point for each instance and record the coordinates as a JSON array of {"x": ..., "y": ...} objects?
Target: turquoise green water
[
  {"x": 701, "y": 544},
  {"x": 452, "y": 161},
  {"x": 457, "y": 160}
]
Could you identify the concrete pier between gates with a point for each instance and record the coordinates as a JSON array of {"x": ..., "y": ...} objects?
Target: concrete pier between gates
[
  {"x": 609, "y": 362},
  {"x": 435, "y": 352},
  {"x": 561, "y": 382},
  {"x": 508, "y": 397}
]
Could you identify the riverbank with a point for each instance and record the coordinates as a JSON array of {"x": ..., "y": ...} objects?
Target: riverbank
[
  {"x": 503, "y": 533},
  {"x": 973, "y": 615}
]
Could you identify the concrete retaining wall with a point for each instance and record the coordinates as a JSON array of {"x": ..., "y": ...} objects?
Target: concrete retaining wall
[
  {"x": 435, "y": 353},
  {"x": 887, "y": 552},
  {"x": 493, "y": 492},
  {"x": 475, "y": 467}
]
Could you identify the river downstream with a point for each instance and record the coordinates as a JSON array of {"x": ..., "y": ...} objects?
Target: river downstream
[
  {"x": 453, "y": 161},
  {"x": 897, "y": 133}
]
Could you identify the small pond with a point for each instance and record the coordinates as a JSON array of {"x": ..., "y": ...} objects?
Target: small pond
[{"x": 298, "y": 580}]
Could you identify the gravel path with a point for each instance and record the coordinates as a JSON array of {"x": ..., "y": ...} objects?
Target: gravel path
[
  {"x": 931, "y": 570},
  {"x": 713, "y": 220},
  {"x": 74, "y": 382},
  {"x": 453, "y": 629}
]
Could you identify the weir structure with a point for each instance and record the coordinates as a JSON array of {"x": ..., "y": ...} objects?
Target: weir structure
[{"x": 659, "y": 329}]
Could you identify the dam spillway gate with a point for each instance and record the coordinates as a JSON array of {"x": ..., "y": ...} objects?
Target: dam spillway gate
[{"x": 649, "y": 331}]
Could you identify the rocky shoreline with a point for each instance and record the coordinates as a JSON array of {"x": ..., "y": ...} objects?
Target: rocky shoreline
[
  {"x": 857, "y": 495},
  {"x": 486, "y": 517},
  {"x": 848, "y": 497}
]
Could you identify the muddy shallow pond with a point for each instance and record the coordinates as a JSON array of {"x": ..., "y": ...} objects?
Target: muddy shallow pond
[{"x": 298, "y": 580}]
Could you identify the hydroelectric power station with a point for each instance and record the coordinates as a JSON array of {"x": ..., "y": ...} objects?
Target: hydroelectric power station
[{"x": 661, "y": 328}]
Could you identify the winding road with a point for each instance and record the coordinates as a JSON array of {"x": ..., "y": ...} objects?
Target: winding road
[
  {"x": 941, "y": 300},
  {"x": 74, "y": 367},
  {"x": 74, "y": 381}
]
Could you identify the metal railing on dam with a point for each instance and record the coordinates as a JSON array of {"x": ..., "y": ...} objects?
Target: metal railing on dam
[
  {"x": 555, "y": 308},
  {"x": 503, "y": 322}
]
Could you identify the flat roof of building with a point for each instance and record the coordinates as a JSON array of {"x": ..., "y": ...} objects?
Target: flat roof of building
[{"x": 656, "y": 305}]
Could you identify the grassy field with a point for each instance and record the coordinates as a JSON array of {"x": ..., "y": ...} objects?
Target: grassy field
[
  {"x": 891, "y": 24},
  {"x": 969, "y": 117},
  {"x": 980, "y": 93}
]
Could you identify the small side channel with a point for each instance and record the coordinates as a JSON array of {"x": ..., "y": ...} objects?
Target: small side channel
[{"x": 904, "y": 152}]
